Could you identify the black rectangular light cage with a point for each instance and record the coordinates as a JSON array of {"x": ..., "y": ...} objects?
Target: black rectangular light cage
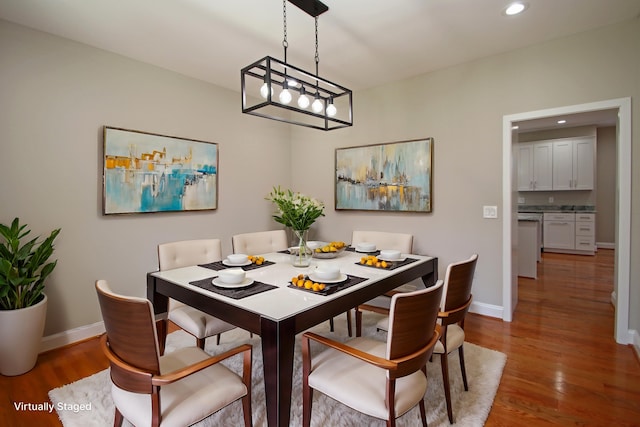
[{"x": 333, "y": 109}]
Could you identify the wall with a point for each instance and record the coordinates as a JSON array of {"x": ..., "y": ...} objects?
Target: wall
[
  {"x": 606, "y": 184},
  {"x": 462, "y": 108},
  {"x": 56, "y": 97}
]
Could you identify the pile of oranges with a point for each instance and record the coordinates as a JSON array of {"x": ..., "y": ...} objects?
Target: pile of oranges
[
  {"x": 257, "y": 260},
  {"x": 373, "y": 261},
  {"x": 303, "y": 282}
]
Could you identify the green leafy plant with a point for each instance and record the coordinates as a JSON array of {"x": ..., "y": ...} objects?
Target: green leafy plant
[
  {"x": 295, "y": 210},
  {"x": 23, "y": 266}
]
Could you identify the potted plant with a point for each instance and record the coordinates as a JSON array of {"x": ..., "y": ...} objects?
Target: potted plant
[{"x": 24, "y": 267}]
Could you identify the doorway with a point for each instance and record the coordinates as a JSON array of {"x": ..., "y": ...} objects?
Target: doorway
[{"x": 623, "y": 208}]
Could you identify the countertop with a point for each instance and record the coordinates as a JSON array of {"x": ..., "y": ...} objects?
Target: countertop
[{"x": 556, "y": 208}]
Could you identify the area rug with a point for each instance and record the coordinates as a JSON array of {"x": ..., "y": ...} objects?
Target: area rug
[{"x": 87, "y": 402}]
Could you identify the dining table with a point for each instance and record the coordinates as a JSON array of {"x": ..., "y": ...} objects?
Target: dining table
[{"x": 270, "y": 305}]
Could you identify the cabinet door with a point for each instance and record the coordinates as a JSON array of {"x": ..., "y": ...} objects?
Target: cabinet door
[
  {"x": 562, "y": 165},
  {"x": 583, "y": 164},
  {"x": 525, "y": 167},
  {"x": 543, "y": 166},
  {"x": 559, "y": 234}
]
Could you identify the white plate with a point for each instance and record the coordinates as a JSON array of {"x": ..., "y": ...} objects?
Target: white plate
[
  {"x": 219, "y": 283},
  {"x": 366, "y": 252},
  {"x": 340, "y": 278},
  {"x": 391, "y": 259},
  {"x": 231, "y": 264}
]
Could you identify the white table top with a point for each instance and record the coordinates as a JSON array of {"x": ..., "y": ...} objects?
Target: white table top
[{"x": 283, "y": 302}]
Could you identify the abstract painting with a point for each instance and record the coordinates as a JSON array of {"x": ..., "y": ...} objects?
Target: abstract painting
[
  {"x": 394, "y": 177},
  {"x": 145, "y": 172}
]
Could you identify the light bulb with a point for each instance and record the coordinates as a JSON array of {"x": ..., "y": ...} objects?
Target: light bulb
[
  {"x": 331, "y": 110},
  {"x": 264, "y": 90},
  {"x": 303, "y": 101},
  {"x": 317, "y": 106},
  {"x": 285, "y": 96}
]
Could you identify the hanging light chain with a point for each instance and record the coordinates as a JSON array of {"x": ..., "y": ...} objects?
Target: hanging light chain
[
  {"x": 317, "y": 55},
  {"x": 285, "y": 43}
]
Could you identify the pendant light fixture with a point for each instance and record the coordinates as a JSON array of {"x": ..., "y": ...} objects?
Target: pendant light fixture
[{"x": 277, "y": 90}]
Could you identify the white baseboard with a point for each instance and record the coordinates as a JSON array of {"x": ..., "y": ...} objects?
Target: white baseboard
[
  {"x": 486, "y": 309},
  {"x": 73, "y": 335},
  {"x": 635, "y": 341},
  {"x": 604, "y": 245}
]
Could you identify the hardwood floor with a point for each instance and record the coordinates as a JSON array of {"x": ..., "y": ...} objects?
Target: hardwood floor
[{"x": 563, "y": 365}]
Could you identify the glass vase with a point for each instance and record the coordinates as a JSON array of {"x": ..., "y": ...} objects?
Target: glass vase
[{"x": 300, "y": 251}]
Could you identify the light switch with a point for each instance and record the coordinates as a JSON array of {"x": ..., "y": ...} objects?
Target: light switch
[{"x": 490, "y": 212}]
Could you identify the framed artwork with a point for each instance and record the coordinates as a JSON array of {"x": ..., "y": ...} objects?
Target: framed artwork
[
  {"x": 146, "y": 172},
  {"x": 392, "y": 177}
]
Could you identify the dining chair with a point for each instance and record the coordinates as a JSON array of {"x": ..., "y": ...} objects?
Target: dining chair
[
  {"x": 402, "y": 242},
  {"x": 381, "y": 379},
  {"x": 186, "y": 253},
  {"x": 176, "y": 389},
  {"x": 260, "y": 242},
  {"x": 456, "y": 299}
]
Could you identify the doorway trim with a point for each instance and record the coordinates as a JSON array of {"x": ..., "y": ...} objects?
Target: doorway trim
[{"x": 622, "y": 269}]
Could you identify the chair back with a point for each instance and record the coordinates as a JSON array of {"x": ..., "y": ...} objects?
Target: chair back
[
  {"x": 412, "y": 323},
  {"x": 260, "y": 242},
  {"x": 188, "y": 252},
  {"x": 384, "y": 240},
  {"x": 131, "y": 336},
  {"x": 457, "y": 289}
]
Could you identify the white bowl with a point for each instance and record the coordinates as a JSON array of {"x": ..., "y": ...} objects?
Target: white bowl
[
  {"x": 232, "y": 276},
  {"x": 365, "y": 247},
  {"x": 237, "y": 258},
  {"x": 390, "y": 254},
  {"x": 327, "y": 272}
]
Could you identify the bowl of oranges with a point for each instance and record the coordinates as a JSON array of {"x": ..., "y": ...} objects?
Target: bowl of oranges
[{"x": 329, "y": 250}]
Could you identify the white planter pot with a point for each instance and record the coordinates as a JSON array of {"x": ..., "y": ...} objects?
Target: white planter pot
[{"x": 20, "y": 337}]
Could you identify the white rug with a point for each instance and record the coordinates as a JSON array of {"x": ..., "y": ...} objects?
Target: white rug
[{"x": 87, "y": 402}]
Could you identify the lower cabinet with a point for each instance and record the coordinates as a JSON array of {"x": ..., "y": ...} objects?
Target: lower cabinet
[{"x": 569, "y": 233}]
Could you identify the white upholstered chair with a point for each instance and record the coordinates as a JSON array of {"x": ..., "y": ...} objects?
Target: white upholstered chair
[
  {"x": 402, "y": 242},
  {"x": 381, "y": 379},
  {"x": 177, "y": 389},
  {"x": 260, "y": 242},
  {"x": 182, "y": 254},
  {"x": 456, "y": 299}
]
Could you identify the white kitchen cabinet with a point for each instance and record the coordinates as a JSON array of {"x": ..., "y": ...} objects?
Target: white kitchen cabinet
[
  {"x": 574, "y": 164},
  {"x": 559, "y": 231},
  {"x": 535, "y": 166},
  {"x": 569, "y": 233}
]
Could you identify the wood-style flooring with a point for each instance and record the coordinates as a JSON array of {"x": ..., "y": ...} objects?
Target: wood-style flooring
[{"x": 563, "y": 365}]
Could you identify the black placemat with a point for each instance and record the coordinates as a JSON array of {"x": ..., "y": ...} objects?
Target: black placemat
[
  {"x": 219, "y": 265},
  {"x": 393, "y": 264},
  {"x": 254, "y": 288},
  {"x": 332, "y": 288}
]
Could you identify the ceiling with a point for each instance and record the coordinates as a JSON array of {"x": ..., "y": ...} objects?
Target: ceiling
[{"x": 362, "y": 43}]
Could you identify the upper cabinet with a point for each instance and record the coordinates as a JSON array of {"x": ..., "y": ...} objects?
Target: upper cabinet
[
  {"x": 561, "y": 164},
  {"x": 535, "y": 166},
  {"x": 574, "y": 164}
]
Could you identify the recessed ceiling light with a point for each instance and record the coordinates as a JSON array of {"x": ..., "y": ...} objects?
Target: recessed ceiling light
[
  {"x": 515, "y": 127},
  {"x": 515, "y": 8},
  {"x": 561, "y": 122}
]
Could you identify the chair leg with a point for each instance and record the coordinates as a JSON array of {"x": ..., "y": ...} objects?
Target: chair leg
[
  {"x": 246, "y": 410},
  {"x": 218, "y": 339},
  {"x": 331, "y": 324},
  {"x": 358, "y": 323},
  {"x": 200, "y": 342},
  {"x": 462, "y": 368},
  {"x": 117, "y": 421},
  {"x": 445, "y": 380},
  {"x": 423, "y": 413},
  {"x": 348, "y": 313}
]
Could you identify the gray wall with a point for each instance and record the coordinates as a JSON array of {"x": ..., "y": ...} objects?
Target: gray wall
[
  {"x": 58, "y": 94},
  {"x": 606, "y": 184}
]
